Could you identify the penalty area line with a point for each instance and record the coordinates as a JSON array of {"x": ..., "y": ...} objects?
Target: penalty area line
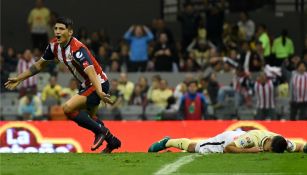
[{"x": 172, "y": 167}]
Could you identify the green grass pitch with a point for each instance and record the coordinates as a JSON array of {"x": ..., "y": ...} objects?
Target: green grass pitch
[{"x": 143, "y": 163}]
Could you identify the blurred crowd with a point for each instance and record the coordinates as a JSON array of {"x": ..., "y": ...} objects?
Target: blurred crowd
[{"x": 264, "y": 65}]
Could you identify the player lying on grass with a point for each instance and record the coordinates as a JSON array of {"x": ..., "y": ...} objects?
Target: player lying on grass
[{"x": 253, "y": 141}]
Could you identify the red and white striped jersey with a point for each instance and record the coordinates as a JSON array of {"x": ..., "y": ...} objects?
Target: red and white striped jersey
[
  {"x": 298, "y": 87},
  {"x": 22, "y": 66},
  {"x": 77, "y": 57},
  {"x": 265, "y": 95}
]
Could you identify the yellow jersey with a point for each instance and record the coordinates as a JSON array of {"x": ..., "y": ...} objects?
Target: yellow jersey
[
  {"x": 257, "y": 138},
  {"x": 39, "y": 20}
]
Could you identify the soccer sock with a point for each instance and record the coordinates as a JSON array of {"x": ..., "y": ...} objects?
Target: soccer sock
[
  {"x": 182, "y": 143},
  {"x": 82, "y": 119},
  {"x": 109, "y": 135},
  {"x": 96, "y": 119}
]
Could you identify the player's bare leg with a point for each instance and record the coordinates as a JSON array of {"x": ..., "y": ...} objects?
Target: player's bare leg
[
  {"x": 181, "y": 143},
  {"x": 191, "y": 147},
  {"x": 73, "y": 109},
  {"x": 113, "y": 142}
]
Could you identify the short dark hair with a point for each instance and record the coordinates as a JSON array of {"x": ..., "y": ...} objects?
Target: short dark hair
[
  {"x": 157, "y": 77},
  {"x": 245, "y": 13},
  {"x": 240, "y": 68},
  {"x": 192, "y": 82},
  {"x": 279, "y": 144},
  {"x": 263, "y": 26},
  {"x": 66, "y": 21}
]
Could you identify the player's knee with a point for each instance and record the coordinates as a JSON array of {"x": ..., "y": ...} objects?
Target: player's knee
[{"x": 191, "y": 147}]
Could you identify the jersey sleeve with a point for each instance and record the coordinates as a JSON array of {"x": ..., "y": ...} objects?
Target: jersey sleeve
[
  {"x": 82, "y": 56},
  {"x": 244, "y": 141},
  {"x": 48, "y": 54},
  {"x": 291, "y": 146}
]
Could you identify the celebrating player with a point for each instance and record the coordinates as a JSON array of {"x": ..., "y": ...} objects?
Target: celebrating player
[
  {"x": 253, "y": 141},
  {"x": 94, "y": 85}
]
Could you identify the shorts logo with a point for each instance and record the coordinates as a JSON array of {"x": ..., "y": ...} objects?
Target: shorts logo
[{"x": 79, "y": 54}]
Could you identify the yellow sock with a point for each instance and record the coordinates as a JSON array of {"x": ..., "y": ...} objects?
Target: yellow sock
[{"x": 182, "y": 143}]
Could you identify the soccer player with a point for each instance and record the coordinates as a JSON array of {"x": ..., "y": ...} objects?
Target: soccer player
[
  {"x": 253, "y": 141},
  {"x": 94, "y": 85},
  {"x": 211, "y": 145}
]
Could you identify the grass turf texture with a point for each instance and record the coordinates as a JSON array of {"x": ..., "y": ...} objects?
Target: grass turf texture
[{"x": 143, "y": 163}]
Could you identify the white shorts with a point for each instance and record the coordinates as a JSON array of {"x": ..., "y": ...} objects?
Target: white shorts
[{"x": 217, "y": 144}]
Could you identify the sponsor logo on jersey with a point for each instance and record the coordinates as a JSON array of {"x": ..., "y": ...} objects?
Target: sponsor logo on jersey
[{"x": 79, "y": 54}]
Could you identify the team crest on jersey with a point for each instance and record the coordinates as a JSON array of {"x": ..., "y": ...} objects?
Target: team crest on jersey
[
  {"x": 69, "y": 57},
  {"x": 242, "y": 142}
]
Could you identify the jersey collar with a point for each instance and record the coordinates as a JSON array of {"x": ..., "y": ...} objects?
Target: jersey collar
[
  {"x": 68, "y": 43},
  {"x": 262, "y": 141}
]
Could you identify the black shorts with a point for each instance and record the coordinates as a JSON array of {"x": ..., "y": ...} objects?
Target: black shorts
[{"x": 92, "y": 97}]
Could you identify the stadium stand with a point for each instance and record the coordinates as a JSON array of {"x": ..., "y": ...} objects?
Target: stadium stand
[{"x": 203, "y": 56}]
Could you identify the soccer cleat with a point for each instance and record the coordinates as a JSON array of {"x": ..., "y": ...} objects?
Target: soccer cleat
[
  {"x": 158, "y": 146},
  {"x": 99, "y": 138},
  {"x": 113, "y": 143}
]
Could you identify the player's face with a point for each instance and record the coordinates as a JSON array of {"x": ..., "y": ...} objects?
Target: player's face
[
  {"x": 267, "y": 147},
  {"x": 301, "y": 68},
  {"x": 138, "y": 31},
  {"x": 62, "y": 33},
  {"x": 193, "y": 88}
]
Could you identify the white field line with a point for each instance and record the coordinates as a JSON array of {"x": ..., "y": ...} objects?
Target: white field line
[
  {"x": 172, "y": 167},
  {"x": 298, "y": 173}
]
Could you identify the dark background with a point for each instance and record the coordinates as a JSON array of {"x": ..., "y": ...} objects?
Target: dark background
[{"x": 117, "y": 15}]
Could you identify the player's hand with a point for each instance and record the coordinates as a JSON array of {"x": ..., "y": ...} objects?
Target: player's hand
[
  {"x": 214, "y": 59},
  {"x": 106, "y": 98},
  {"x": 255, "y": 149},
  {"x": 12, "y": 83}
]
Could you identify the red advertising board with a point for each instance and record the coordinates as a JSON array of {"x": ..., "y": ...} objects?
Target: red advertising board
[{"x": 136, "y": 136}]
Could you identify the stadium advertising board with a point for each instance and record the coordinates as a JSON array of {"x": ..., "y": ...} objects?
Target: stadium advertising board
[{"x": 136, "y": 136}]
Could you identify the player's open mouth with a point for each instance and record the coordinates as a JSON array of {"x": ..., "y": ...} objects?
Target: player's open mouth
[{"x": 58, "y": 37}]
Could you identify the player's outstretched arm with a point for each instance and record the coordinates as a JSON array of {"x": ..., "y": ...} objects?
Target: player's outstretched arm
[
  {"x": 232, "y": 148},
  {"x": 13, "y": 82},
  {"x": 91, "y": 73},
  {"x": 294, "y": 146}
]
